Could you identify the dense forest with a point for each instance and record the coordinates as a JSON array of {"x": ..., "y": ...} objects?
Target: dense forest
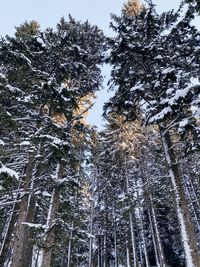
[{"x": 127, "y": 195}]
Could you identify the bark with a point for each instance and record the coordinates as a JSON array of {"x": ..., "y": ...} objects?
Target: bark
[
  {"x": 99, "y": 251},
  {"x": 192, "y": 258},
  {"x": 28, "y": 243},
  {"x": 47, "y": 252},
  {"x": 70, "y": 246},
  {"x": 153, "y": 238},
  {"x": 8, "y": 236},
  {"x": 20, "y": 229},
  {"x": 143, "y": 239},
  {"x": 128, "y": 254},
  {"x": 135, "y": 259},
  {"x": 30, "y": 218},
  {"x": 115, "y": 242},
  {"x": 91, "y": 236},
  {"x": 157, "y": 235},
  {"x": 50, "y": 233},
  {"x": 194, "y": 205},
  {"x": 133, "y": 241}
]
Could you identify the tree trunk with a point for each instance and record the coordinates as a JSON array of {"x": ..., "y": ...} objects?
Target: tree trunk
[
  {"x": 157, "y": 235},
  {"x": 153, "y": 238},
  {"x": 20, "y": 230},
  {"x": 50, "y": 230},
  {"x": 50, "y": 233},
  {"x": 192, "y": 258},
  {"x": 70, "y": 246},
  {"x": 128, "y": 254},
  {"x": 99, "y": 251},
  {"x": 28, "y": 244},
  {"x": 143, "y": 238},
  {"x": 135, "y": 258},
  {"x": 8, "y": 236},
  {"x": 91, "y": 236},
  {"x": 115, "y": 242},
  {"x": 133, "y": 241}
]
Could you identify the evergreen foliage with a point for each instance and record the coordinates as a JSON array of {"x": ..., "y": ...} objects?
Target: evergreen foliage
[{"x": 128, "y": 195}]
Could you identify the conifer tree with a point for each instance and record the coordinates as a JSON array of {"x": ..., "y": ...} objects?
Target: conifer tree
[{"x": 154, "y": 88}]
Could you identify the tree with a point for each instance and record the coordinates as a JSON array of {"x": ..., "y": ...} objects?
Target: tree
[
  {"x": 156, "y": 81},
  {"x": 57, "y": 70}
]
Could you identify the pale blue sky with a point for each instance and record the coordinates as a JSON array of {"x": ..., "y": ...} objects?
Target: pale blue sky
[{"x": 48, "y": 13}]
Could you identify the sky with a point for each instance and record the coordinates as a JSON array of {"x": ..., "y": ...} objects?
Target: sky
[{"x": 49, "y": 12}]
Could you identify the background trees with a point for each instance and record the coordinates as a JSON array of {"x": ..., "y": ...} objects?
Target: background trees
[{"x": 127, "y": 195}]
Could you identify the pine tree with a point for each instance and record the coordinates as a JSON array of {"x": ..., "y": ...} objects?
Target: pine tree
[
  {"x": 151, "y": 86},
  {"x": 58, "y": 69}
]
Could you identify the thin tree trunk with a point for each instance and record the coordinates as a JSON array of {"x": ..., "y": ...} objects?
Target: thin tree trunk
[
  {"x": 50, "y": 235},
  {"x": 192, "y": 258},
  {"x": 8, "y": 236},
  {"x": 135, "y": 257},
  {"x": 143, "y": 239},
  {"x": 191, "y": 202},
  {"x": 128, "y": 254},
  {"x": 115, "y": 244},
  {"x": 153, "y": 238},
  {"x": 105, "y": 251},
  {"x": 99, "y": 251},
  {"x": 50, "y": 230},
  {"x": 157, "y": 235},
  {"x": 91, "y": 236},
  {"x": 70, "y": 246}
]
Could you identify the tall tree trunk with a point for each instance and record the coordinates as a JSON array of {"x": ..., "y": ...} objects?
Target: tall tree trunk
[
  {"x": 8, "y": 235},
  {"x": 133, "y": 241},
  {"x": 31, "y": 215},
  {"x": 157, "y": 234},
  {"x": 143, "y": 239},
  {"x": 192, "y": 258},
  {"x": 99, "y": 251},
  {"x": 153, "y": 238},
  {"x": 128, "y": 253},
  {"x": 20, "y": 229},
  {"x": 194, "y": 204},
  {"x": 70, "y": 246},
  {"x": 91, "y": 236},
  {"x": 28, "y": 244},
  {"x": 115, "y": 241},
  {"x": 135, "y": 258},
  {"x": 50, "y": 230}
]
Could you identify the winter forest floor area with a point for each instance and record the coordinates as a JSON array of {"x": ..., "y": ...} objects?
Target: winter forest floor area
[{"x": 124, "y": 196}]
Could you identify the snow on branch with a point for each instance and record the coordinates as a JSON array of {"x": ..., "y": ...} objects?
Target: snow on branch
[{"x": 10, "y": 172}]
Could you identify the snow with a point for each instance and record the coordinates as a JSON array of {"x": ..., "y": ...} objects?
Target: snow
[
  {"x": 33, "y": 225},
  {"x": 25, "y": 143},
  {"x": 4, "y": 169},
  {"x": 54, "y": 140},
  {"x": 168, "y": 70},
  {"x": 2, "y": 143},
  {"x": 2, "y": 76},
  {"x": 181, "y": 93},
  {"x": 40, "y": 40},
  {"x": 161, "y": 114},
  {"x": 183, "y": 123},
  {"x": 138, "y": 86},
  {"x": 194, "y": 81}
]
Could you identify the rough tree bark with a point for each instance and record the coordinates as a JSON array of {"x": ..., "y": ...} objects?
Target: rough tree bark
[
  {"x": 53, "y": 209},
  {"x": 20, "y": 230},
  {"x": 192, "y": 258}
]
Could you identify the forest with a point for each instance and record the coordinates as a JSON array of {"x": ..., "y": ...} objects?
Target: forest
[{"x": 126, "y": 195}]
